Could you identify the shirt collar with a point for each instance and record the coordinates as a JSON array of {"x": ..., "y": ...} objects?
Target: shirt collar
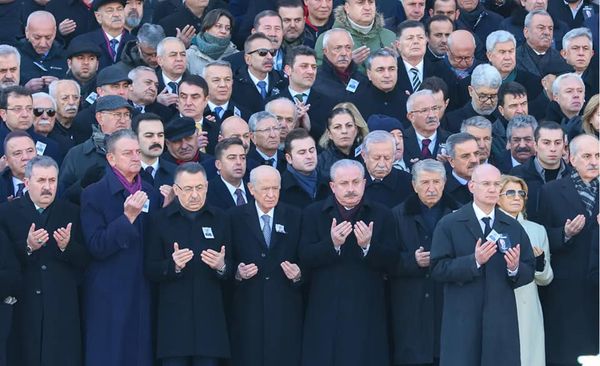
[
  {"x": 541, "y": 171},
  {"x": 294, "y": 92},
  {"x": 260, "y": 213},
  {"x": 514, "y": 161},
  {"x": 118, "y": 38},
  {"x": 255, "y": 80},
  {"x": 265, "y": 157},
  {"x": 212, "y": 106},
  {"x": 420, "y": 138},
  {"x": 155, "y": 165},
  {"x": 167, "y": 80},
  {"x": 418, "y": 66},
  {"x": 480, "y": 214},
  {"x": 460, "y": 180},
  {"x": 231, "y": 188}
]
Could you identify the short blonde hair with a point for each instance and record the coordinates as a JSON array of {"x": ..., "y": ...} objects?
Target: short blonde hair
[
  {"x": 359, "y": 122},
  {"x": 505, "y": 179},
  {"x": 588, "y": 114}
]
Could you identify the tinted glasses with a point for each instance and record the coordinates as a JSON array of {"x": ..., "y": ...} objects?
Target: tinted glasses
[
  {"x": 262, "y": 52},
  {"x": 513, "y": 193},
  {"x": 39, "y": 111}
]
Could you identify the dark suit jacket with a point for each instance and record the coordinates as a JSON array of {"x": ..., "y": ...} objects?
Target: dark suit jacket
[
  {"x": 330, "y": 84},
  {"x": 76, "y": 11},
  {"x": 281, "y": 162},
  {"x": 97, "y": 37},
  {"x": 182, "y": 16},
  {"x": 456, "y": 117},
  {"x": 267, "y": 311},
  {"x": 218, "y": 194},
  {"x": 369, "y": 100},
  {"x": 479, "y": 323},
  {"x": 411, "y": 145},
  {"x": 572, "y": 333},
  {"x": 165, "y": 113},
  {"x": 164, "y": 175},
  {"x": 6, "y": 185},
  {"x": 455, "y": 191},
  {"x": 50, "y": 149},
  {"x": 552, "y": 62},
  {"x": 392, "y": 190},
  {"x": 292, "y": 194},
  {"x": 246, "y": 95}
]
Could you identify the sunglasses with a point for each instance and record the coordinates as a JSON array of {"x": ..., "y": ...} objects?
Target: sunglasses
[
  {"x": 513, "y": 193},
  {"x": 262, "y": 52},
  {"x": 39, "y": 111}
]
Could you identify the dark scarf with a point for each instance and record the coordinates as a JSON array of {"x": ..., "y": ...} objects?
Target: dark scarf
[
  {"x": 471, "y": 18},
  {"x": 132, "y": 187},
  {"x": 99, "y": 140},
  {"x": 195, "y": 159},
  {"x": 348, "y": 215},
  {"x": 287, "y": 45},
  {"x": 587, "y": 191},
  {"x": 432, "y": 215},
  {"x": 211, "y": 46},
  {"x": 308, "y": 183}
]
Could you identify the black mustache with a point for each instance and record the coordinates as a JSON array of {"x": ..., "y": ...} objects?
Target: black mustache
[
  {"x": 350, "y": 195},
  {"x": 156, "y": 145},
  {"x": 46, "y": 192},
  {"x": 522, "y": 149}
]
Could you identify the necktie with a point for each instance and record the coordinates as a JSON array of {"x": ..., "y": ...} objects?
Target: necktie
[
  {"x": 150, "y": 170},
  {"x": 488, "y": 229},
  {"x": 300, "y": 97},
  {"x": 173, "y": 86},
  {"x": 219, "y": 112},
  {"x": 40, "y": 210},
  {"x": 139, "y": 108},
  {"x": 266, "y": 229},
  {"x": 239, "y": 200},
  {"x": 114, "y": 46},
  {"x": 425, "y": 153},
  {"x": 20, "y": 190},
  {"x": 415, "y": 80},
  {"x": 262, "y": 85},
  {"x": 270, "y": 162}
]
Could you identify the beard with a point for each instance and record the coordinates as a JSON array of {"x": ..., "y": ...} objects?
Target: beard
[{"x": 132, "y": 20}]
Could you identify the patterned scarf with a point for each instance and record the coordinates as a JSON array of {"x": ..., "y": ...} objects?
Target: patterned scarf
[
  {"x": 211, "y": 46},
  {"x": 99, "y": 140},
  {"x": 587, "y": 191}
]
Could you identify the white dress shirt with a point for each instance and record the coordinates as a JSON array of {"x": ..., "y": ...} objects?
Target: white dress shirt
[{"x": 231, "y": 188}]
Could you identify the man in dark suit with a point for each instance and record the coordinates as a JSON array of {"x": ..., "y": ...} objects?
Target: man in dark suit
[
  {"x": 112, "y": 36},
  {"x": 267, "y": 311},
  {"x": 583, "y": 9},
  {"x": 219, "y": 77},
  {"x": 258, "y": 81},
  {"x": 172, "y": 65},
  {"x": 73, "y": 17},
  {"x": 578, "y": 51},
  {"x": 10, "y": 278},
  {"x": 569, "y": 210},
  {"x": 46, "y": 236},
  {"x": 477, "y": 18},
  {"x": 228, "y": 188},
  {"x": 423, "y": 139},
  {"x": 416, "y": 319},
  {"x": 181, "y": 138},
  {"x": 520, "y": 140},
  {"x": 143, "y": 91},
  {"x": 481, "y": 255},
  {"x": 19, "y": 148},
  {"x": 194, "y": 331},
  {"x": 512, "y": 101},
  {"x": 463, "y": 157},
  {"x": 437, "y": 28},
  {"x": 348, "y": 244},
  {"x": 301, "y": 185},
  {"x": 481, "y": 129},
  {"x": 188, "y": 15},
  {"x": 264, "y": 130}
]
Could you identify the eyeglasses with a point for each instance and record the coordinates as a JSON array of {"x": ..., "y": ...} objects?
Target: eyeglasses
[
  {"x": 269, "y": 130},
  {"x": 488, "y": 184},
  {"x": 434, "y": 109},
  {"x": 39, "y": 111},
  {"x": 189, "y": 189},
  {"x": 262, "y": 52},
  {"x": 485, "y": 97},
  {"x": 20, "y": 109},
  {"x": 118, "y": 115},
  {"x": 514, "y": 192}
]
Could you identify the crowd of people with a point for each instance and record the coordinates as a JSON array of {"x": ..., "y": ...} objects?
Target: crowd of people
[{"x": 299, "y": 182}]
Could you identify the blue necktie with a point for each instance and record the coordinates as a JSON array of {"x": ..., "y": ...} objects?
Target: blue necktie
[
  {"x": 114, "y": 47},
  {"x": 263, "y": 88},
  {"x": 20, "y": 190},
  {"x": 219, "y": 112},
  {"x": 487, "y": 228},
  {"x": 240, "y": 200},
  {"x": 266, "y": 229},
  {"x": 173, "y": 86}
]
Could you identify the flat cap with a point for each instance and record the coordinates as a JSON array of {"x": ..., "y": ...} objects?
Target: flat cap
[
  {"x": 384, "y": 123},
  {"x": 112, "y": 74},
  {"x": 112, "y": 102},
  {"x": 179, "y": 128},
  {"x": 98, "y": 3},
  {"x": 79, "y": 47}
]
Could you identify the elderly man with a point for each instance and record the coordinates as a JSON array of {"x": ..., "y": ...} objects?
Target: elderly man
[
  {"x": 10, "y": 66},
  {"x": 142, "y": 50},
  {"x": 569, "y": 95},
  {"x": 569, "y": 209},
  {"x": 547, "y": 165},
  {"x": 416, "y": 318},
  {"x": 46, "y": 236},
  {"x": 483, "y": 92},
  {"x": 185, "y": 255},
  {"x": 438, "y": 28},
  {"x": 143, "y": 91},
  {"x": 536, "y": 55},
  {"x": 19, "y": 148},
  {"x": 512, "y": 101},
  {"x": 82, "y": 62},
  {"x": 481, "y": 255},
  {"x": 67, "y": 95},
  {"x": 385, "y": 185},
  {"x": 111, "y": 36},
  {"x": 44, "y": 121},
  {"x": 267, "y": 302},
  {"x": 481, "y": 129},
  {"x": 287, "y": 115},
  {"x": 42, "y": 60},
  {"x": 318, "y": 16},
  {"x": 219, "y": 77},
  {"x": 463, "y": 157},
  {"x": 475, "y": 18},
  {"x": 113, "y": 113},
  {"x": 265, "y": 131},
  {"x": 171, "y": 59},
  {"x": 460, "y": 57},
  {"x": 577, "y": 51},
  {"x": 520, "y": 139},
  {"x": 348, "y": 244},
  {"x": 423, "y": 139},
  {"x": 183, "y": 142},
  {"x": 366, "y": 27},
  {"x": 338, "y": 74},
  {"x": 381, "y": 122},
  {"x": 117, "y": 296}
]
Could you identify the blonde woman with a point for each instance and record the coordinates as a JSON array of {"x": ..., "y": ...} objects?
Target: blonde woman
[
  {"x": 591, "y": 116},
  {"x": 513, "y": 196}
]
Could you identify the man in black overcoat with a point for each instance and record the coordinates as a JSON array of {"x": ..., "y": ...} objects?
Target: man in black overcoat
[
  {"x": 267, "y": 311},
  {"x": 481, "y": 255},
  {"x": 348, "y": 245}
]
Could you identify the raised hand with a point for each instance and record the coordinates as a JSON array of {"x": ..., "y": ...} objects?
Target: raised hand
[
  {"x": 340, "y": 232},
  {"x": 181, "y": 256},
  {"x": 214, "y": 259},
  {"x": 485, "y": 251},
  {"x": 62, "y": 236}
]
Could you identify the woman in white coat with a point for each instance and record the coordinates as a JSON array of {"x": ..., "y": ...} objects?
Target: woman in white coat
[{"x": 529, "y": 310}]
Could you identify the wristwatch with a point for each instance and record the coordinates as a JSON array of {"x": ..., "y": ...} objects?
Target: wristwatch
[{"x": 29, "y": 250}]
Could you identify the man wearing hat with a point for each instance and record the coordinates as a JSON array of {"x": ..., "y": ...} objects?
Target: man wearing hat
[
  {"x": 113, "y": 113},
  {"x": 112, "y": 80},
  {"x": 181, "y": 138},
  {"x": 82, "y": 61},
  {"x": 112, "y": 35},
  {"x": 392, "y": 125}
]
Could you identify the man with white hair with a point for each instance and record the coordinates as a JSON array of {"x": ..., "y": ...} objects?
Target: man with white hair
[
  {"x": 265, "y": 132},
  {"x": 460, "y": 57},
  {"x": 287, "y": 117},
  {"x": 143, "y": 91},
  {"x": 67, "y": 95},
  {"x": 42, "y": 60},
  {"x": 10, "y": 66},
  {"x": 569, "y": 96},
  {"x": 171, "y": 58},
  {"x": 485, "y": 82},
  {"x": 44, "y": 121},
  {"x": 577, "y": 50},
  {"x": 142, "y": 50}
]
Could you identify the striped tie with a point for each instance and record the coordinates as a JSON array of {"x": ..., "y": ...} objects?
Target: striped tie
[{"x": 415, "y": 81}]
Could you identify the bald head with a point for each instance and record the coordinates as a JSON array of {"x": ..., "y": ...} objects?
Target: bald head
[
  {"x": 485, "y": 170},
  {"x": 485, "y": 186},
  {"x": 235, "y": 126},
  {"x": 461, "y": 49},
  {"x": 41, "y": 31}
]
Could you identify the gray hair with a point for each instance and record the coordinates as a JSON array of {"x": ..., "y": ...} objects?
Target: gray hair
[
  {"x": 382, "y": 52},
  {"x": 256, "y": 171},
  {"x": 330, "y": 32},
  {"x": 41, "y": 161},
  {"x": 44, "y": 95},
  {"x": 561, "y": 78},
  {"x": 221, "y": 63},
  {"x": 112, "y": 139},
  {"x": 499, "y": 36},
  {"x": 576, "y": 33},
  {"x": 450, "y": 40},
  {"x": 135, "y": 71},
  {"x": 487, "y": 76},
  {"x": 191, "y": 167},
  {"x": 457, "y": 139},
  {"x": 476, "y": 121},
  {"x": 377, "y": 137},
  {"x": 6, "y": 50},
  {"x": 150, "y": 35},
  {"x": 521, "y": 121},
  {"x": 160, "y": 48},
  {"x": 52, "y": 88},
  {"x": 577, "y": 140},
  {"x": 531, "y": 14},
  {"x": 411, "y": 98},
  {"x": 345, "y": 163},
  {"x": 40, "y": 14},
  {"x": 429, "y": 166},
  {"x": 271, "y": 104},
  {"x": 257, "y": 117}
]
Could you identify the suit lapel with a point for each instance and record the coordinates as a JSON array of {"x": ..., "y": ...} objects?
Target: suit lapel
[
  {"x": 255, "y": 224},
  {"x": 473, "y": 224},
  {"x": 570, "y": 194},
  {"x": 278, "y": 219}
]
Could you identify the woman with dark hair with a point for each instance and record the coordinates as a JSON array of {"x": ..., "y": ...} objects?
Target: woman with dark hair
[
  {"x": 346, "y": 129},
  {"x": 213, "y": 42}
]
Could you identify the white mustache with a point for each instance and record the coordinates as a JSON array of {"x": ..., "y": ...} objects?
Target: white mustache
[{"x": 44, "y": 122}]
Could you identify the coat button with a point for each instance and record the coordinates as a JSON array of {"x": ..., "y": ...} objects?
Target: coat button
[
  {"x": 44, "y": 267},
  {"x": 38, "y": 292},
  {"x": 427, "y": 275},
  {"x": 263, "y": 255},
  {"x": 426, "y": 295},
  {"x": 267, "y": 278},
  {"x": 426, "y": 237}
]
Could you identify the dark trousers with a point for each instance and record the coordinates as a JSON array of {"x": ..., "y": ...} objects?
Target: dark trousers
[
  {"x": 5, "y": 324},
  {"x": 190, "y": 361}
]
